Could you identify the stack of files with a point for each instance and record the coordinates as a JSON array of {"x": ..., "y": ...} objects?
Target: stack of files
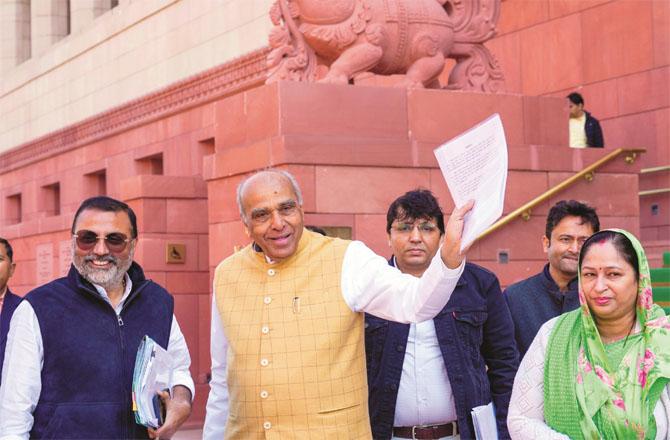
[{"x": 153, "y": 373}]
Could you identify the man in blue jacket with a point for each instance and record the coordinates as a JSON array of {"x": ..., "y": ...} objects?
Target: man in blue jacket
[
  {"x": 554, "y": 291},
  {"x": 72, "y": 342},
  {"x": 8, "y": 301},
  {"x": 584, "y": 129},
  {"x": 424, "y": 379}
]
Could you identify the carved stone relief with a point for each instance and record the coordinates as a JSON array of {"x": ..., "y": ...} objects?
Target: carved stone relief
[{"x": 335, "y": 40}]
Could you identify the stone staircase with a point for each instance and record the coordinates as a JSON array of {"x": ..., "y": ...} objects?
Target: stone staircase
[{"x": 657, "y": 251}]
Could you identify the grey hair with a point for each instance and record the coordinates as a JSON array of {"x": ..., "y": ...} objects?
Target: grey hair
[{"x": 286, "y": 174}]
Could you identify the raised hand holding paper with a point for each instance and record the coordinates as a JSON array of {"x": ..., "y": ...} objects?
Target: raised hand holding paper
[{"x": 474, "y": 165}]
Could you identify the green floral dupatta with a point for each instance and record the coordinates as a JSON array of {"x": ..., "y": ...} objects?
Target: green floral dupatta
[{"x": 585, "y": 397}]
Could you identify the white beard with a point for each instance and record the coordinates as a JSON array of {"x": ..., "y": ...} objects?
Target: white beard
[{"x": 105, "y": 278}]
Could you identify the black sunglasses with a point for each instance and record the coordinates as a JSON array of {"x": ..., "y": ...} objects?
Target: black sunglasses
[{"x": 86, "y": 240}]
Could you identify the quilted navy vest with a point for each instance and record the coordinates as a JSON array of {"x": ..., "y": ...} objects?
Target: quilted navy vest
[{"x": 89, "y": 355}]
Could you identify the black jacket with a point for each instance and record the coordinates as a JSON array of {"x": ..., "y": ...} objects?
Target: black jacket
[
  {"x": 476, "y": 337},
  {"x": 594, "y": 134},
  {"x": 536, "y": 300}
]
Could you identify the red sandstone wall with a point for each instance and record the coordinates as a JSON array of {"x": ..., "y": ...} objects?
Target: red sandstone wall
[
  {"x": 171, "y": 207},
  {"x": 617, "y": 54}
]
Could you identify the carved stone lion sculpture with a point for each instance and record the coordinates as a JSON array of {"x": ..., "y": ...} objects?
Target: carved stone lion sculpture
[{"x": 336, "y": 40}]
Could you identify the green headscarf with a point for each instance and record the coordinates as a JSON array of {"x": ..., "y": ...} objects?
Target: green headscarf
[{"x": 585, "y": 397}]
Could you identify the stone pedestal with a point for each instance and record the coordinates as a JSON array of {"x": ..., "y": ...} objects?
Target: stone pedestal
[{"x": 355, "y": 149}]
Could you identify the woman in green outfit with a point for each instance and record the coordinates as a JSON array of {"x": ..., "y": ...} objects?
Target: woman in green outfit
[{"x": 600, "y": 371}]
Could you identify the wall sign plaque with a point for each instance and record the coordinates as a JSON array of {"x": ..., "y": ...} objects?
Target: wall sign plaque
[
  {"x": 175, "y": 253},
  {"x": 64, "y": 257},
  {"x": 44, "y": 256}
]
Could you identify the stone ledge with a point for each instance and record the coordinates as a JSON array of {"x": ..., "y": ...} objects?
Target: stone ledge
[{"x": 161, "y": 187}]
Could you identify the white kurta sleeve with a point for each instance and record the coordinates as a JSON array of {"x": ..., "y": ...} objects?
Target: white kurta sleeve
[
  {"x": 525, "y": 418},
  {"x": 217, "y": 403},
  {"x": 662, "y": 415},
  {"x": 181, "y": 358},
  {"x": 21, "y": 374},
  {"x": 370, "y": 285}
]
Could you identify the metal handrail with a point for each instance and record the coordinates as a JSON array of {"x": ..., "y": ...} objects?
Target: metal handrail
[
  {"x": 655, "y": 169},
  {"x": 652, "y": 192},
  {"x": 587, "y": 173}
]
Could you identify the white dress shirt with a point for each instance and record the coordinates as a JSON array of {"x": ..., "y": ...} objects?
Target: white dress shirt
[
  {"x": 424, "y": 393},
  {"x": 525, "y": 418},
  {"x": 369, "y": 285},
  {"x": 24, "y": 357}
]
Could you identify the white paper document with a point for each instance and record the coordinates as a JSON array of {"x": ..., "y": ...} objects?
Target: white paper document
[
  {"x": 153, "y": 373},
  {"x": 484, "y": 421},
  {"x": 474, "y": 164}
]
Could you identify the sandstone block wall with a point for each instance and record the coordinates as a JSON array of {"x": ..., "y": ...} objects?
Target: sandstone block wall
[{"x": 617, "y": 55}]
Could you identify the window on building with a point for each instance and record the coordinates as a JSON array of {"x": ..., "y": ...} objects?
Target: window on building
[
  {"x": 51, "y": 199},
  {"x": 13, "y": 209},
  {"x": 96, "y": 183},
  {"x": 18, "y": 47},
  {"x": 68, "y": 18},
  {"x": 150, "y": 165},
  {"x": 205, "y": 147}
]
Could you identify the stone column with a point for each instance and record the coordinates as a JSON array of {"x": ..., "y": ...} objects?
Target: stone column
[
  {"x": 14, "y": 33},
  {"x": 83, "y": 12},
  {"x": 49, "y": 22}
]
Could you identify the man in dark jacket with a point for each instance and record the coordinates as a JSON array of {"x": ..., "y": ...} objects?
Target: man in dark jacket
[
  {"x": 424, "y": 379},
  {"x": 585, "y": 130},
  {"x": 72, "y": 342},
  {"x": 8, "y": 301},
  {"x": 553, "y": 291}
]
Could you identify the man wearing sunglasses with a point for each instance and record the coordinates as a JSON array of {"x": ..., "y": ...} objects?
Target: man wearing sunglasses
[
  {"x": 425, "y": 378},
  {"x": 288, "y": 351},
  {"x": 72, "y": 343}
]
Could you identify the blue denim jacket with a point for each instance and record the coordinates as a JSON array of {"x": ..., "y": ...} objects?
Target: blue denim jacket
[{"x": 475, "y": 332}]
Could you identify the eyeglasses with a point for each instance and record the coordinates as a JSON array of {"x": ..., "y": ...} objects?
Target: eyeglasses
[
  {"x": 407, "y": 228},
  {"x": 86, "y": 240}
]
